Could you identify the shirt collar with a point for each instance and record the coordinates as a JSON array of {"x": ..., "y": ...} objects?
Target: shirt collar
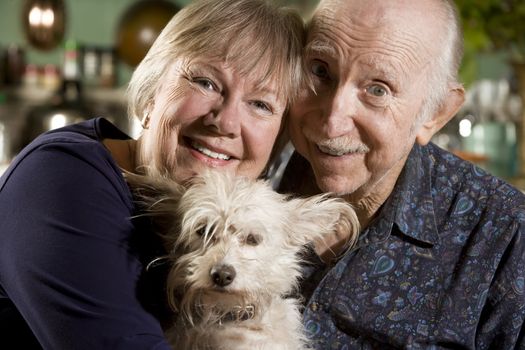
[{"x": 411, "y": 206}]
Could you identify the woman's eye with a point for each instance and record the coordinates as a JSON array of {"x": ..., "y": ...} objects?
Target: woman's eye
[
  {"x": 262, "y": 106},
  {"x": 377, "y": 90},
  {"x": 319, "y": 69},
  {"x": 206, "y": 83}
]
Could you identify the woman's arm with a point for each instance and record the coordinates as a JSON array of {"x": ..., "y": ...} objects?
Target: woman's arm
[{"x": 65, "y": 260}]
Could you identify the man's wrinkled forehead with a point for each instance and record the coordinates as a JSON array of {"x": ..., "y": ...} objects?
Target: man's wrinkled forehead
[
  {"x": 343, "y": 22},
  {"x": 334, "y": 20},
  {"x": 343, "y": 15},
  {"x": 373, "y": 13}
]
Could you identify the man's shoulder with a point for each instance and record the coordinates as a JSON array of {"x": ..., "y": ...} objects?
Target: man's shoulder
[
  {"x": 463, "y": 189},
  {"x": 449, "y": 170}
]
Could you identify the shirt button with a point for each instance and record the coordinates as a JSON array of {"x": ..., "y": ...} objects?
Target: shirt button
[{"x": 314, "y": 307}]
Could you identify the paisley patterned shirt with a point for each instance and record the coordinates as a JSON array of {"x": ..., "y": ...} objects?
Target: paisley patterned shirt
[{"x": 441, "y": 266}]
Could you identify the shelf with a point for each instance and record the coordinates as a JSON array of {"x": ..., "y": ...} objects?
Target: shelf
[{"x": 37, "y": 95}]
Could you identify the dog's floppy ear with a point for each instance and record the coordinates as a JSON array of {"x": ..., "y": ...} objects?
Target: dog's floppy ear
[
  {"x": 321, "y": 217},
  {"x": 157, "y": 195}
]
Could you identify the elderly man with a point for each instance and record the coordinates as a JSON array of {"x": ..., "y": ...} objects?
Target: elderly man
[{"x": 440, "y": 260}]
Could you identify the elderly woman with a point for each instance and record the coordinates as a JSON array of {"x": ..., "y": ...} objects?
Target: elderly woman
[{"x": 211, "y": 93}]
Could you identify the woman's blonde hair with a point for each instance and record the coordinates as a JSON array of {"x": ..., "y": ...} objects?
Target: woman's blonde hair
[{"x": 252, "y": 36}]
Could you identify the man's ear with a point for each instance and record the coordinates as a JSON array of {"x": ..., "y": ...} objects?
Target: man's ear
[{"x": 453, "y": 102}]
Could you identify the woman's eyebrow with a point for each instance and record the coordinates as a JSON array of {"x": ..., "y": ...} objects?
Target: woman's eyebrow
[
  {"x": 267, "y": 91},
  {"x": 204, "y": 65}
]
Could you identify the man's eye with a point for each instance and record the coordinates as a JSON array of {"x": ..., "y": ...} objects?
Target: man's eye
[
  {"x": 206, "y": 83},
  {"x": 377, "y": 90},
  {"x": 319, "y": 69}
]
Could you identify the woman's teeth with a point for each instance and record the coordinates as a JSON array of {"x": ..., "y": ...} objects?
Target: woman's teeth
[{"x": 208, "y": 152}]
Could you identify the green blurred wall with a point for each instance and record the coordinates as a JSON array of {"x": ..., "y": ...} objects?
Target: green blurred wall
[
  {"x": 93, "y": 22},
  {"x": 90, "y": 22}
]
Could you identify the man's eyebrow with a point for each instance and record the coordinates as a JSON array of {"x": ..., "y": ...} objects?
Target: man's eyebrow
[
  {"x": 390, "y": 71},
  {"x": 318, "y": 47}
]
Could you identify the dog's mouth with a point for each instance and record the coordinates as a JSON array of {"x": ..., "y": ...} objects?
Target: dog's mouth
[
  {"x": 226, "y": 306},
  {"x": 237, "y": 313},
  {"x": 222, "y": 290},
  {"x": 217, "y": 293}
]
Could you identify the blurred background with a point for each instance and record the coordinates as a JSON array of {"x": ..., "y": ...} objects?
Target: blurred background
[{"x": 62, "y": 61}]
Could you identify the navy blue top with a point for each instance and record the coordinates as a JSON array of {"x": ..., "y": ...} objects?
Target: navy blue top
[
  {"x": 441, "y": 266},
  {"x": 71, "y": 258}
]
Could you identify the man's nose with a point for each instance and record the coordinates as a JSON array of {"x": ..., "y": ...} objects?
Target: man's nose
[
  {"x": 340, "y": 110},
  {"x": 225, "y": 118}
]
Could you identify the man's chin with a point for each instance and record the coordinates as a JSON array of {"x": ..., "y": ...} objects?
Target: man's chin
[{"x": 338, "y": 184}]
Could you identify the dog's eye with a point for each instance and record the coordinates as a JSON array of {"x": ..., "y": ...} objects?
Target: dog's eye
[
  {"x": 253, "y": 239},
  {"x": 200, "y": 232}
]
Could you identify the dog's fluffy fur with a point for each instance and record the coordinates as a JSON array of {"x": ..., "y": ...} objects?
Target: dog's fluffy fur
[{"x": 234, "y": 245}]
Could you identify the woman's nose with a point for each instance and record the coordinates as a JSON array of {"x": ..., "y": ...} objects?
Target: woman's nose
[{"x": 225, "y": 119}]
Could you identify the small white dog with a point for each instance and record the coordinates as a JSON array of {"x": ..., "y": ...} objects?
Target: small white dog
[{"x": 235, "y": 244}]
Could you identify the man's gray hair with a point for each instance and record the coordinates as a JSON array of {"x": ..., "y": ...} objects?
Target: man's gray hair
[{"x": 446, "y": 65}]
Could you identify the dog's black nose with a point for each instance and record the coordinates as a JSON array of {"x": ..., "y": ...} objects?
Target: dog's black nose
[{"x": 222, "y": 275}]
